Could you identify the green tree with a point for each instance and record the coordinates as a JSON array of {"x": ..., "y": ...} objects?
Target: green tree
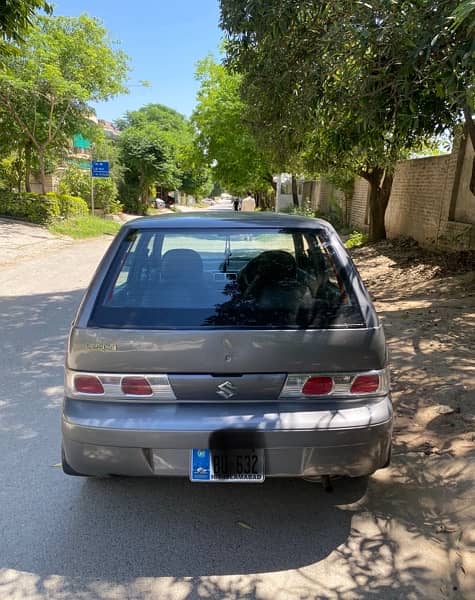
[
  {"x": 65, "y": 63},
  {"x": 147, "y": 161},
  {"x": 227, "y": 144},
  {"x": 10, "y": 172},
  {"x": 170, "y": 150},
  {"x": 350, "y": 86},
  {"x": 16, "y": 17},
  {"x": 464, "y": 15},
  {"x": 195, "y": 174}
]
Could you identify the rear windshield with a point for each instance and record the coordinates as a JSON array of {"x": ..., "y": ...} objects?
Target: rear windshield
[{"x": 193, "y": 279}]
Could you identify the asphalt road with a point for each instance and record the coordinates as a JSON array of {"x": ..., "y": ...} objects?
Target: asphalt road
[{"x": 63, "y": 537}]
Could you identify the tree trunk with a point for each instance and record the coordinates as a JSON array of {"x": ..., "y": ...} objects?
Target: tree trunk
[
  {"x": 470, "y": 125},
  {"x": 27, "y": 167},
  {"x": 295, "y": 196},
  {"x": 41, "y": 161},
  {"x": 143, "y": 197},
  {"x": 19, "y": 170},
  {"x": 144, "y": 202},
  {"x": 380, "y": 183},
  {"x": 348, "y": 200},
  {"x": 270, "y": 179}
]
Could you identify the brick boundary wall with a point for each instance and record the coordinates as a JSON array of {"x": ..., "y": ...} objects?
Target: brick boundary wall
[
  {"x": 419, "y": 195},
  {"x": 424, "y": 199},
  {"x": 359, "y": 204}
]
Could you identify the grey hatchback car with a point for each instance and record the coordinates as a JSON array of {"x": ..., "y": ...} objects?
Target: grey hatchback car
[{"x": 226, "y": 346}]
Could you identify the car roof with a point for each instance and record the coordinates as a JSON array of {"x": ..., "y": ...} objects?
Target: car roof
[{"x": 227, "y": 219}]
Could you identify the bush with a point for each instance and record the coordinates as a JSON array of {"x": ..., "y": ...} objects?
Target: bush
[
  {"x": 70, "y": 206},
  {"x": 356, "y": 239},
  {"x": 35, "y": 208},
  {"x": 77, "y": 182},
  {"x": 305, "y": 210},
  {"x": 42, "y": 209}
]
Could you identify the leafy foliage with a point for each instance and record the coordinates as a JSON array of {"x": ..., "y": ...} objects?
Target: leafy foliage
[
  {"x": 69, "y": 206},
  {"x": 464, "y": 16},
  {"x": 148, "y": 160},
  {"x": 157, "y": 149},
  {"x": 305, "y": 210},
  {"x": 42, "y": 209},
  {"x": 77, "y": 182},
  {"x": 64, "y": 63},
  {"x": 16, "y": 17},
  {"x": 351, "y": 86},
  {"x": 227, "y": 144},
  {"x": 356, "y": 239},
  {"x": 11, "y": 167}
]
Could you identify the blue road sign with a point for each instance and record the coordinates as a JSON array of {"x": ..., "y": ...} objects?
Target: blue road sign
[{"x": 100, "y": 168}]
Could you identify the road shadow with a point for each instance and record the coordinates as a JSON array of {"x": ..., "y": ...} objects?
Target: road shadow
[
  {"x": 149, "y": 538},
  {"x": 116, "y": 527}
]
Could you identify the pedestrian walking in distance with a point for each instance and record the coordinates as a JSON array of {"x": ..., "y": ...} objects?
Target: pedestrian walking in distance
[{"x": 248, "y": 204}]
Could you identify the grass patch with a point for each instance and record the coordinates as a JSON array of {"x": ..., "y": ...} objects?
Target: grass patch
[
  {"x": 356, "y": 239},
  {"x": 85, "y": 227}
]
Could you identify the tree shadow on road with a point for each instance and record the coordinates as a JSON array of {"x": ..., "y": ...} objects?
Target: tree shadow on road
[{"x": 146, "y": 538}]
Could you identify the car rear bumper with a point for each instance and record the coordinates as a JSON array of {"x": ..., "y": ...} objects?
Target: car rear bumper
[{"x": 300, "y": 440}]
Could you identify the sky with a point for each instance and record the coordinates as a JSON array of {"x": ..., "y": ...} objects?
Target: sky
[{"x": 163, "y": 39}]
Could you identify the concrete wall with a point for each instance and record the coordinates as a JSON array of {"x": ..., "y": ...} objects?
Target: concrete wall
[
  {"x": 52, "y": 182},
  {"x": 326, "y": 197},
  {"x": 284, "y": 197}
]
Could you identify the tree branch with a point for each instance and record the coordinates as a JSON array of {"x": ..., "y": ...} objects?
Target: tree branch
[
  {"x": 50, "y": 119},
  {"x": 60, "y": 123},
  {"x": 16, "y": 117}
]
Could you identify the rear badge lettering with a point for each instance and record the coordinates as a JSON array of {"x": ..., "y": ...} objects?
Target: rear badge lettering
[{"x": 102, "y": 347}]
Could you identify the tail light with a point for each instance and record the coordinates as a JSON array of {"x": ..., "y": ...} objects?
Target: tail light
[
  {"x": 365, "y": 384},
  {"x": 88, "y": 384},
  {"x": 317, "y": 386},
  {"x": 343, "y": 385},
  {"x": 118, "y": 387},
  {"x": 136, "y": 386}
]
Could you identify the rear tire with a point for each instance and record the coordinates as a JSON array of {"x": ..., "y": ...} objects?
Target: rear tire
[
  {"x": 388, "y": 461},
  {"x": 67, "y": 467}
]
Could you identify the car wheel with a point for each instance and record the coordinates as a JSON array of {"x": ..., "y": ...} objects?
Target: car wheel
[
  {"x": 388, "y": 461},
  {"x": 67, "y": 467}
]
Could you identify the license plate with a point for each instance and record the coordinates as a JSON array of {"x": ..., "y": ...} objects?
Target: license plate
[{"x": 230, "y": 466}]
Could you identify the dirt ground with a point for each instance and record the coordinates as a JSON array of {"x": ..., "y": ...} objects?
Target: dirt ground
[
  {"x": 20, "y": 240},
  {"x": 427, "y": 304}
]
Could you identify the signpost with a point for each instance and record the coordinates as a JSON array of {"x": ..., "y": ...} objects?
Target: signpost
[{"x": 99, "y": 168}]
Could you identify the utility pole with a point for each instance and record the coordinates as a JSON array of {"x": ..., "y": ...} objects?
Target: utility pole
[
  {"x": 92, "y": 194},
  {"x": 92, "y": 180}
]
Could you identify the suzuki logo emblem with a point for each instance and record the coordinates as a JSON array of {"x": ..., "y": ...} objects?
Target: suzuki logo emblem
[{"x": 226, "y": 390}]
